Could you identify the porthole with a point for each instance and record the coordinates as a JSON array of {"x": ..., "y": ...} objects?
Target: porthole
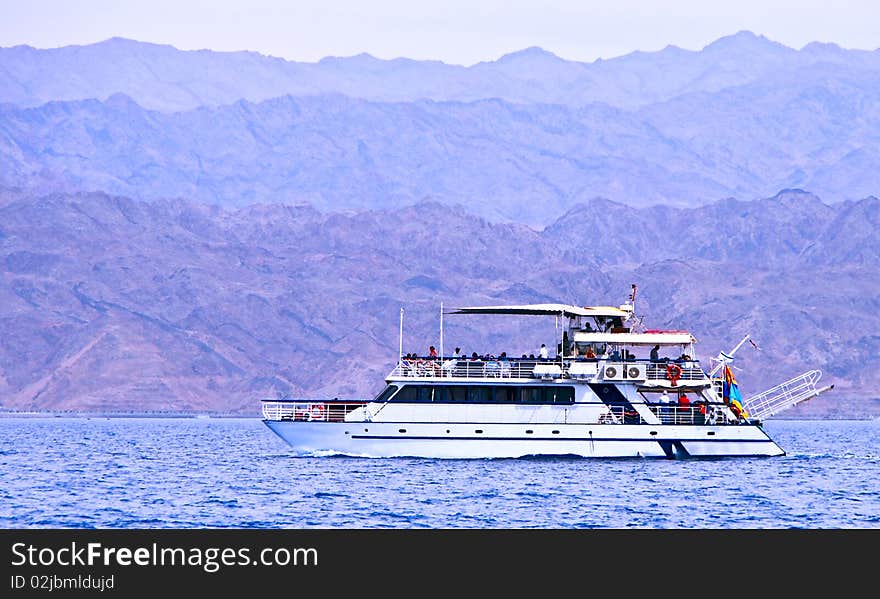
[
  {"x": 478, "y": 431},
  {"x": 710, "y": 433},
  {"x": 529, "y": 432},
  {"x": 401, "y": 430},
  {"x": 653, "y": 432},
  {"x": 555, "y": 432}
]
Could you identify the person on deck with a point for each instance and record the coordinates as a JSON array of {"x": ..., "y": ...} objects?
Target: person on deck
[
  {"x": 684, "y": 409},
  {"x": 655, "y": 353},
  {"x": 590, "y": 354},
  {"x": 432, "y": 352},
  {"x": 543, "y": 352}
]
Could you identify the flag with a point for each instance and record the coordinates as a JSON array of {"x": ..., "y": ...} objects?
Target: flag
[{"x": 731, "y": 394}]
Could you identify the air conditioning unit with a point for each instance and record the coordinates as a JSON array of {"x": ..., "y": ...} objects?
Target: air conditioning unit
[
  {"x": 613, "y": 372},
  {"x": 635, "y": 371}
]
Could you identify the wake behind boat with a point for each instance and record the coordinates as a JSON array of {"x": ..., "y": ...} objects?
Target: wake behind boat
[{"x": 610, "y": 391}]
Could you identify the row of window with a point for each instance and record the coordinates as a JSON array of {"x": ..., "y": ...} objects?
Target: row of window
[{"x": 506, "y": 394}]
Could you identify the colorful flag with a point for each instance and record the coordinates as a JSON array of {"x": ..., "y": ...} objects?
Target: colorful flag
[{"x": 731, "y": 393}]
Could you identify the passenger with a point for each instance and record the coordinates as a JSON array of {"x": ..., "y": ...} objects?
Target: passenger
[
  {"x": 615, "y": 355},
  {"x": 655, "y": 353},
  {"x": 505, "y": 364},
  {"x": 663, "y": 412},
  {"x": 702, "y": 406},
  {"x": 590, "y": 354},
  {"x": 684, "y": 409},
  {"x": 543, "y": 352},
  {"x": 474, "y": 356},
  {"x": 432, "y": 352},
  {"x": 531, "y": 356},
  {"x": 457, "y": 353}
]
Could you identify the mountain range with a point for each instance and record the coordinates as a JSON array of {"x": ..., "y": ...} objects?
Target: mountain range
[
  {"x": 161, "y": 77},
  {"x": 110, "y": 303},
  {"x": 520, "y": 139}
]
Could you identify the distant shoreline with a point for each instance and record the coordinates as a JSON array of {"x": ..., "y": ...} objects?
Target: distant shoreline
[
  {"x": 211, "y": 415},
  {"x": 65, "y": 414}
]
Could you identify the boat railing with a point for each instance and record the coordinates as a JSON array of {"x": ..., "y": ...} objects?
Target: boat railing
[
  {"x": 668, "y": 414},
  {"x": 686, "y": 370},
  {"x": 308, "y": 410},
  {"x": 522, "y": 368},
  {"x": 466, "y": 368},
  {"x": 785, "y": 395}
]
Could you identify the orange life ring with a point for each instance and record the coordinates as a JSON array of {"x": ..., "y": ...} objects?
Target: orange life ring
[{"x": 673, "y": 373}]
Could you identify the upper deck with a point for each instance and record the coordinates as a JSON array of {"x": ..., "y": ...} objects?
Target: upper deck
[{"x": 661, "y": 373}]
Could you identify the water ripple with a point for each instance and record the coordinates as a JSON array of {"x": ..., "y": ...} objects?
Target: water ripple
[{"x": 217, "y": 473}]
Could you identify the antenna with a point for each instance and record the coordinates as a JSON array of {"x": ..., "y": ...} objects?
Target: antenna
[
  {"x": 726, "y": 358},
  {"x": 441, "y": 330},
  {"x": 400, "y": 346}
]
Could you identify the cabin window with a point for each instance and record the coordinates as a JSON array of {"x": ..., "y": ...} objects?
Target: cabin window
[
  {"x": 426, "y": 394},
  {"x": 457, "y": 394},
  {"x": 563, "y": 395},
  {"x": 506, "y": 394},
  {"x": 386, "y": 393},
  {"x": 408, "y": 394},
  {"x": 498, "y": 394},
  {"x": 479, "y": 394},
  {"x": 531, "y": 395}
]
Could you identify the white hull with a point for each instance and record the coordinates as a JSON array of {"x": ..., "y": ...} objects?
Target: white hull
[{"x": 457, "y": 440}]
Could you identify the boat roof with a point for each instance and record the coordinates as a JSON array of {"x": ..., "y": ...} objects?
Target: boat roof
[
  {"x": 545, "y": 310},
  {"x": 652, "y": 338}
]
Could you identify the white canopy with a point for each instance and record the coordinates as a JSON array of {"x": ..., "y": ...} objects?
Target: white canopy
[
  {"x": 658, "y": 338},
  {"x": 546, "y": 310}
]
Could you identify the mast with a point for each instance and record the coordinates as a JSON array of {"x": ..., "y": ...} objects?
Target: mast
[
  {"x": 725, "y": 358},
  {"x": 400, "y": 343},
  {"x": 441, "y": 331}
]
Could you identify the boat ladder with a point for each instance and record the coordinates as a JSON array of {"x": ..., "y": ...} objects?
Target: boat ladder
[{"x": 784, "y": 396}]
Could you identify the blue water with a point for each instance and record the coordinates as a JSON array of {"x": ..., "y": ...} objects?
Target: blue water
[{"x": 150, "y": 473}]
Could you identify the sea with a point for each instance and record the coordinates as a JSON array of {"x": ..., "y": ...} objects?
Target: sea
[{"x": 225, "y": 472}]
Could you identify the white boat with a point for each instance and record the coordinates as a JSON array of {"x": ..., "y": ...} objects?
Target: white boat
[{"x": 621, "y": 403}]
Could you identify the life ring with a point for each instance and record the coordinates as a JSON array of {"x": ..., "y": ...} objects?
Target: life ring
[
  {"x": 673, "y": 373},
  {"x": 316, "y": 412}
]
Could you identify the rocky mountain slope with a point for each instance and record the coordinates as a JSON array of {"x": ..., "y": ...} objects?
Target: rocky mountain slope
[
  {"x": 506, "y": 162},
  {"x": 108, "y": 303}
]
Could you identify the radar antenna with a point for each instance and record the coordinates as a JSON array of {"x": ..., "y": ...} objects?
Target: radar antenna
[{"x": 724, "y": 358}]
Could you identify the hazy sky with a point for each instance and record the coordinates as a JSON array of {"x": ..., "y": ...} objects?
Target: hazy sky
[{"x": 454, "y": 31}]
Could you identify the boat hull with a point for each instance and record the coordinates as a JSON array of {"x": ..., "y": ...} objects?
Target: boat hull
[{"x": 457, "y": 440}]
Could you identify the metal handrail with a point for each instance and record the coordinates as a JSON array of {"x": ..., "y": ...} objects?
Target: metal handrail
[
  {"x": 669, "y": 414},
  {"x": 308, "y": 410},
  {"x": 783, "y": 396},
  {"x": 519, "y": 368}
]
